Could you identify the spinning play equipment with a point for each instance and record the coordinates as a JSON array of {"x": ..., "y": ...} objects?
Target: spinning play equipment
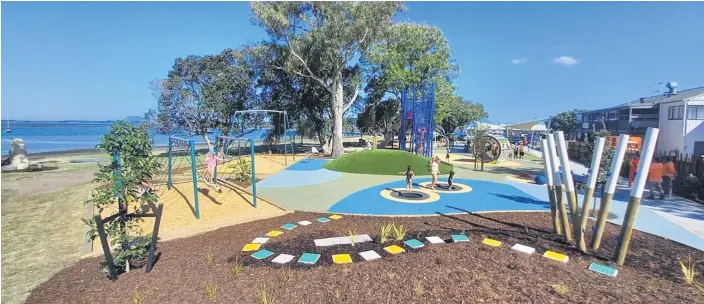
[
  {"x": 417, "y": 110},
  {"x": 496, "y": 149}
]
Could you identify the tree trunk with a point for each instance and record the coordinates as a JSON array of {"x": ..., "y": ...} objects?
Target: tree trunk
[
  {"x": 206, "y": 138},
  {"x": 337, "y": 113}
]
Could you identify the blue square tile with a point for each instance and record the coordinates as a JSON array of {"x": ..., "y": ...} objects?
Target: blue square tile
[
  {"x": 323, "y": 219},
  {"x": 413, "y": 243},
  {"x": 262, "y": 254},
  {"x": 288, "y": 226},
  {"x": 309, "y": 258},
  {"x": 459, "y": 238},
  {"x": 603, "y": 269}
]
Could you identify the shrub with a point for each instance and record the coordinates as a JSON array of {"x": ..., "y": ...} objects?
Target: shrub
[
  {"x": 399, "y": 232},
  {"x": 386, "y": 232}
]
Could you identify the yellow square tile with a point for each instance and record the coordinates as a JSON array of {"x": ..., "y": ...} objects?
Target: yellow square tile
[
  {"x": 341, "y": 258},
  {"x": 556, "y": 256},
  {"x": 491, "y": 242},
  {"x": 335, "y": 217},
  {"x": 274, "y": 233},
  {"x": 394, "y": 249},
  {"x": 251, "y": 247}
]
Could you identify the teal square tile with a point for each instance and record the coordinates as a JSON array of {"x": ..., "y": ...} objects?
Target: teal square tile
[
  {"x": 309, "y": 258},
  {"x": 323, "y": 219},
  {"x": 262, "y": 254},
  {"x": 413, "y": 243},
  {"x": 459, "y": 238},
  {"x": 603, "y": 269},
  {"x": 288, "y": 226}
]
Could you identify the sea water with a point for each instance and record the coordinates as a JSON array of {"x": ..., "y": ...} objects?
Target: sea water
[{"x": 51, "y": 136}]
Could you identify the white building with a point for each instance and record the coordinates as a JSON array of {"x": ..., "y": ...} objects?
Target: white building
[{"x": 680, "y": 122}]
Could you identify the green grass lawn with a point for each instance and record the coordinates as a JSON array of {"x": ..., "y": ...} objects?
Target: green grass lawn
[{"x": 384, "y": 162}]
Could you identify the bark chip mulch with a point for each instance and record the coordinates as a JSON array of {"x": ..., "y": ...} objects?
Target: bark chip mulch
[{"x": 467, "y": 272}]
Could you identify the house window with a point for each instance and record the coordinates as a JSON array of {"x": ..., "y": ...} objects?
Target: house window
[
  {"x": 675, "y": 112},
  {"x": 695, "y": 112},
  {"x": 613, "y": 115},
  {"x": 579, "y": 117}
]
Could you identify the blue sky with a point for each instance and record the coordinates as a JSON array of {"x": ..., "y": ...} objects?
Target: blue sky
[{"x": 95, "y": 60}]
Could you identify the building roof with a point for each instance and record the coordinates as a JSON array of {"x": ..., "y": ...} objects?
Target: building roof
[{"x": 657, "y": 99}]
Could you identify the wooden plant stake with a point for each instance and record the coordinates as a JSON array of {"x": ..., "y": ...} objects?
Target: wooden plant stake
[
  {"x": 651, "y": 137},
  {"x": 609, "y": 189},
  {"x": 591, "y": 184}
]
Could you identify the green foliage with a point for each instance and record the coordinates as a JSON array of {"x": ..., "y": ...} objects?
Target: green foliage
[
  {"x": 419, "y": 289},
  {"x": 561, "y": 289},
  {"x": 237, "y": 267},
  {"x": 209, "y": 257},
  {"x": 353, "y": 236},
  {"x": 399, "y": 232},
  {"x": 137, "y": 298},
  {"x": 386, "y": 230},
  {"x": 286, "y": 273},
  {"x": 565, "y": 122},
  {"x": 118, "y": 187},
  {"x": 242, "y": 170},
  {"x": 606, "y": 156},
  {"x": 265, "y": 297},
  {"x": 688, "y": 271},
  {"x": 383, "y": 162},
  {"x": 334, "y": 33},
  {"x": 479, "y": 138},
  {"x": 211, "y": 291}
]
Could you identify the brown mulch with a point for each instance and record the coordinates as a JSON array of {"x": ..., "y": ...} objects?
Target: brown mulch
[{"x": 439, "y": 273}]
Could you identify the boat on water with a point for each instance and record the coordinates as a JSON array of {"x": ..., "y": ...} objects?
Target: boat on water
[{"x": 8, "y": 130}]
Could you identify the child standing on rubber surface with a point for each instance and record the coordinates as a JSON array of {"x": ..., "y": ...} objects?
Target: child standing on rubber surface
[{"x": 409, "y": 179}]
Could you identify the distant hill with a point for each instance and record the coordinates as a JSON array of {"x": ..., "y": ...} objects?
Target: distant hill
[{"x": 134, "y": 119}]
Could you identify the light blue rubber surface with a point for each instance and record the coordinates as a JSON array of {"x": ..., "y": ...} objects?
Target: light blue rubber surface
[
  {"x": 646, "y": 220},
  {"x": 485, "y": 196},
  {"x": 303, "y": 173}
]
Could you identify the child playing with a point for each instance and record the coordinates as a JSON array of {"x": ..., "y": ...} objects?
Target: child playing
[
  {"x": 211, "y": 159},
  {"x": 449, "y": 180},
  {"x": 409, "y": 179},
  {"x": 447, "y": 157}
]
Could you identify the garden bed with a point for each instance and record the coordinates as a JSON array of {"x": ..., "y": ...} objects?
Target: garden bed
[{"x": 469, "y": 272}]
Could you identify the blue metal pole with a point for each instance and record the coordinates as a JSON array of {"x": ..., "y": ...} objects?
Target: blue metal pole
[
  {"x": 195, "y": 176},
  {"x": 254, "y": 177},
  {"x": 168, "y": 184},
  {"x": 285, "y": 151}
]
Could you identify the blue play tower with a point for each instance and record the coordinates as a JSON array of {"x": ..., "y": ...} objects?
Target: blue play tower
[{"x": 417, "y": 113}]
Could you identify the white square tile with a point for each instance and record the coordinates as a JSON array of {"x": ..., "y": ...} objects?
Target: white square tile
[
  {"x": 370, "y": 255},
  {"x": 434, "y": 240},
  {"x": 260, "y": 240},
  {"x": 283, "y": 258},
  {"x": 523, "y": 248},
  {"x": 304, "y": 223}
]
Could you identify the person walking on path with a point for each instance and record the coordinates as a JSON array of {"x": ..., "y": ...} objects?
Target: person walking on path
[
  {"x": 655, "y": 179},
  {"x": 632, "y": 167},
  {"x": 522, "y": 151},
  {"x": 668, "y": 176}
]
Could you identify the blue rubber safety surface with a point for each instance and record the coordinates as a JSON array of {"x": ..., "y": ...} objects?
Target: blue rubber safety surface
[
  {"x": 485, "y": 196},
  {"x": 302, "y": 173},
  {"x": 308, "y": 165},
  {"x": 646, "y": 220}
]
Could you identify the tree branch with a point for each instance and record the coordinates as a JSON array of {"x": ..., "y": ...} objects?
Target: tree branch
[
  {"x": 354, "y": 97},
  {"x": 305, "y": 65}
]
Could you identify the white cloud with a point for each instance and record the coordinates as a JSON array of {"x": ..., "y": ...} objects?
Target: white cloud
[
  {"x": 565, "y": 61},
  {"x": 519, "y": 60}
]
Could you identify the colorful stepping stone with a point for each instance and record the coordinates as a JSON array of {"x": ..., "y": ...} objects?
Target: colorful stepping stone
[
  {"x": 343, "y": 240},
  {"x": 251, "y": 247},
  {"x": 274, "y": 233},
  {"x": 459, "y": 238},
  {"x": 335, "y": 217},
  {"x": 492, "y": 243},
  {"x": 556, "y": 256},
  {"x": 283, "y": 258},
  {"x": 304, "y": 223},
  {"x": 260, "y": 240},
  {"x": 523, "y": 248},
  {"x": 262, "y": 254},
  {"x": 394, "y": 249},
  {"x": 322, "y": 219},
  {"x": 370, "y": 255},
  {"x": 603, "y": 269},
  {"x": 435, "y": 240},
  {"x": 413, "y": 243},
  {"x": 309, "y": 258},
  {"x": 288, "y": 226},
  {"x": 341, "y": 258}
]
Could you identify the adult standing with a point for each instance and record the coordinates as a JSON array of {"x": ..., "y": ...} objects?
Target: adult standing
[
  {"x": 668, "y": 176},
  {"x": 655, "y": 179},
  {"x": 632, "y": 167}
]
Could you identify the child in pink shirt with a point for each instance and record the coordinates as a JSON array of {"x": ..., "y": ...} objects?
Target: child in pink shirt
[{"x": 211, "y": 159}]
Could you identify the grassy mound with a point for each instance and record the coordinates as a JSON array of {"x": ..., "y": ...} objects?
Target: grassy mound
[{"x": 383, "y": 162}]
